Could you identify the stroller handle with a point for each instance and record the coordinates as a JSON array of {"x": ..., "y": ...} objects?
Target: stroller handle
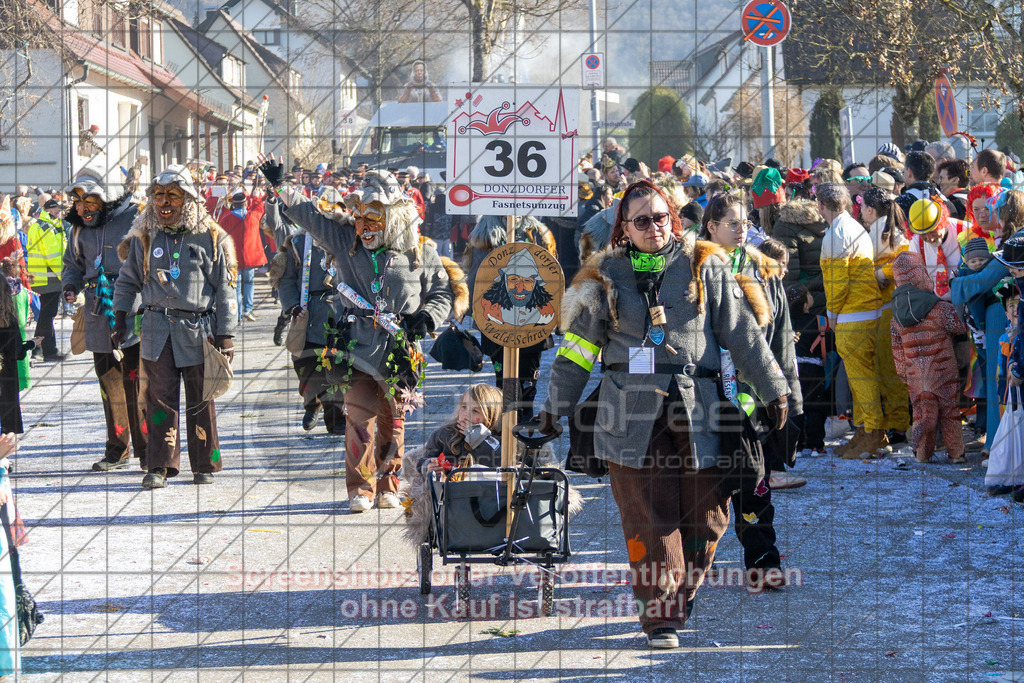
[{"x": 531, "y": 442}]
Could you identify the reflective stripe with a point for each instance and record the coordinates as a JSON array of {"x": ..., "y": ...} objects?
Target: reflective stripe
[
  {"x": 862, "y": 316},
  {"x": 592, "y": 348},
  {"x": 581, "y": 346},
  {"x": 575, "y": 357}
]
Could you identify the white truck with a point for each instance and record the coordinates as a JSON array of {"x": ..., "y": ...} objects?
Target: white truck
[{"x": 405, "y": 134}]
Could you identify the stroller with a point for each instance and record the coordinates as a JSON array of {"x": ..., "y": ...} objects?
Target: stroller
[{"x": 469, "y": 520}]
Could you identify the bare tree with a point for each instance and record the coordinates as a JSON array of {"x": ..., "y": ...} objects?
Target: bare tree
[
  {"x": 379, "y": 38},
  {"x": 903, "y": 44},
  {"x": 997, "y": 29},
  {"x": 743, "y": 125},
  {"x": 490, "y": 21},
  {"x": 710, "y": 142}
]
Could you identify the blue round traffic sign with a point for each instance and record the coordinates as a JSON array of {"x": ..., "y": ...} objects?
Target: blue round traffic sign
[
  {"x": 765, "y": 22},
  {"x": 593, "y": 61},
  {"x": 945, "y": 104}
]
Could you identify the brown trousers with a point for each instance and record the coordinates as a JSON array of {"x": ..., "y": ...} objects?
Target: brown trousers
[
  {"x": 672, "y": 520},
  {"x": 374, "y": 438},
  {"x": 163, "y": 398},
  {"x": 122, "y": 409}
]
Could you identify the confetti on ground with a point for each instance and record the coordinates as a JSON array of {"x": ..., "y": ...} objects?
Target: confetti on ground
[{"x": 501, "y": 633}]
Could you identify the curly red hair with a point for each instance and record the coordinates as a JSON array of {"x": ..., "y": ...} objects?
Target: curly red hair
[
  {"x": 987, "y": 191},
  {"x": 642, "y": 188}
]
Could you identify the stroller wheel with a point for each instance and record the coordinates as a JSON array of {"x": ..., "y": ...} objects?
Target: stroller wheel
[
  {"x": 546, "y": 592},
  {"x": 425, "y": 566},
  {"x": 462, "y": 590}
]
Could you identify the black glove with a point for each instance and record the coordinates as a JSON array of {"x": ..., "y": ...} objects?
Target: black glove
[
  {"x": 418, "y": 325},
  {"x": 225, "y": 346},
  {"x": 778, "y": 411},
  {"x": 293, "y": 311},
  {"x": 120, "y": 329},
  {"x": 273, "y": 171},
  {"x": 546, "y": 422},
  {"x": 70, "y": 294}
]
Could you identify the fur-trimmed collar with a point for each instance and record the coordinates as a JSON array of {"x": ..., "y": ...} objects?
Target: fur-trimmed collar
[
  {"x": 752, "y": 290},
  {"x": 591, "y": 284},
  {"x": 195, "y": 219},
  {"x": 801, "y": 212}
]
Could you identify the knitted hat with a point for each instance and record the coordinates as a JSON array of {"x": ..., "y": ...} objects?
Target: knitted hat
[
  {"x": 890, "y": 149},
  {"x": 665, "y": 164},
  {"x": 692, "y": 211},
  {"x": 767, "y": 188},
  {"x": 977, "y": 247}
]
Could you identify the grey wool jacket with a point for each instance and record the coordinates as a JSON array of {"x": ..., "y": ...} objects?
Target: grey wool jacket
[
  {"x": 199, "y": 304},
  {"x": 706, "y": 308},
  {"x": 81, "y": 271},
  {"x": 323, "y": 303},
  {"x": 414, "y": 280}
]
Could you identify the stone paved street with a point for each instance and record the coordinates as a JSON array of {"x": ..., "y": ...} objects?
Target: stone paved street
[{"x": 907, "y": 572}]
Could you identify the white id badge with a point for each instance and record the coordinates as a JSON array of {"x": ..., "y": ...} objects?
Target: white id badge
[{"x": 641, "y": 360}]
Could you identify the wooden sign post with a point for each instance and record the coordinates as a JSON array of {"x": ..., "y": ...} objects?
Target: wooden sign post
[{"x": 517, "y": 296}]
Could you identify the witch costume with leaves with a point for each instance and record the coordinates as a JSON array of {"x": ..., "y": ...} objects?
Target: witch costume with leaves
[
  {"x": 91, "y": 264},
  {"x": 373, "y": 354}
]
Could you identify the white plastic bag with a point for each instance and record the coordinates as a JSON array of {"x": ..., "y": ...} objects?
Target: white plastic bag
[{"x": 1006, "y": 458}]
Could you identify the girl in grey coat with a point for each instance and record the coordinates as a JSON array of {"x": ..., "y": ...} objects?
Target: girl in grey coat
[{"x": 658, "y": 308}]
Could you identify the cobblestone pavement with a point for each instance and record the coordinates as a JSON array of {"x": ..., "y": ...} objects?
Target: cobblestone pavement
[{"x": 906, "y": 572}]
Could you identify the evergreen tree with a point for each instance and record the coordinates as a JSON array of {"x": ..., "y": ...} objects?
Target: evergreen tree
[
  {"x": 826, "y": 142},
  {"x": 662, "y": 126}
]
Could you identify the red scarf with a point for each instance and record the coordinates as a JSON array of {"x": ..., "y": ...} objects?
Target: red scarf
[{"x": 941, "y": 276}]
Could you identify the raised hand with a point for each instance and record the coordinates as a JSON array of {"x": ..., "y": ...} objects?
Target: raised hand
[{"x": 272, "y": 170}]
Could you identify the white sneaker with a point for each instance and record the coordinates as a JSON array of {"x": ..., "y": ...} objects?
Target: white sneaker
[
  {"x": 388, "y": 501},
  {"x": 359, "y": 504},
  {"x": 785, "y": 480}
]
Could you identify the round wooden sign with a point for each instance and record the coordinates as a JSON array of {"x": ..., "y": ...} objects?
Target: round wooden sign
[{"x": 518, "y": 294}]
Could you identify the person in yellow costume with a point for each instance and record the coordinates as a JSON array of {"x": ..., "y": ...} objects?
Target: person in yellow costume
[
  {"x": 886, "y": 222},
  {"x": 854, "y": 307}
]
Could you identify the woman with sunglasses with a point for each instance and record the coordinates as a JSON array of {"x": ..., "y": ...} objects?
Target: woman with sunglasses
[
  {"x": 725, "y": 224},
  {"x": 658, "y": 306}
]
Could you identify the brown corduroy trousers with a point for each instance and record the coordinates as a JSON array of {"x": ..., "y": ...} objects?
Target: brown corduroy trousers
[{"x": 672, "y": 518}]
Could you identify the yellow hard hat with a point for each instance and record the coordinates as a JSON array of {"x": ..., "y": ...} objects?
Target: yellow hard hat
[{"x": 924, "y": 216}]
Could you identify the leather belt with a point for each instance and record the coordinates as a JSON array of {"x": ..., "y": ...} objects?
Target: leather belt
[
  {"x": 179, "y": 313},
  {"x": 690, "y": 370}
]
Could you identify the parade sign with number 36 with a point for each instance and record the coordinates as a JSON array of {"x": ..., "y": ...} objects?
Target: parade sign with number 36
[{"x": 512, "y": 150}]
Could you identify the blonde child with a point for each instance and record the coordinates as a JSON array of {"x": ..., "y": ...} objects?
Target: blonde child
[{"x": 471, "y": 437}]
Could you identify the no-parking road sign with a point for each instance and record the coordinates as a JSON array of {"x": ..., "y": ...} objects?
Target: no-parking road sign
[
  {"x": 765, "y": 22},
  {"x": 945, "y": 104}
]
